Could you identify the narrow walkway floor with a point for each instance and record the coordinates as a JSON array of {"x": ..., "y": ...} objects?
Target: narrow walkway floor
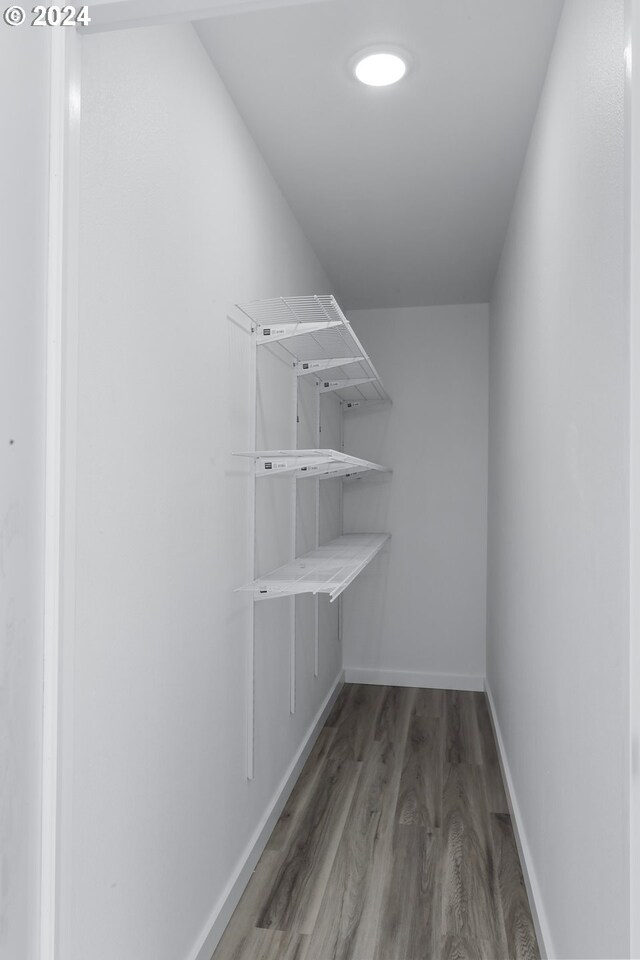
[{"x": 396, "y": 842}]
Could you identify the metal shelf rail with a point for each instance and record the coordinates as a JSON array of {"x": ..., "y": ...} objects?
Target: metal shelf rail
[{"x": 327, "y": 569}]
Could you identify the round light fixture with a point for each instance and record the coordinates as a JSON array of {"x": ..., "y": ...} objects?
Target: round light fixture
[{"x": 380, "y": 67}]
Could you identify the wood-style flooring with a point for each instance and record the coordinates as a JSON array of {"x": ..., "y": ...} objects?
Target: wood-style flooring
[{"x": 395, "y": 844}]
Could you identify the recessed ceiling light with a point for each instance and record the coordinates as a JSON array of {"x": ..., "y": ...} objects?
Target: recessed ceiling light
[{"x": 380, "y": 67}]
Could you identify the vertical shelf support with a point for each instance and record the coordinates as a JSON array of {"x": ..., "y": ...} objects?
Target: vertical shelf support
[
  {"x": 250, "y": 653},
  {"x": 294, "y": 527},
  {"x": 316, "y": 643}
]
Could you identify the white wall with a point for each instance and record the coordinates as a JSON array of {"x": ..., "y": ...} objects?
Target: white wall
[
  {"x": 417, "y": 614},
  {"x": 558, "y": 644},
  {"x": 632, "y": 9},
  {"x": 180, "y": 218},
  {"x": 24, "y": 167}
]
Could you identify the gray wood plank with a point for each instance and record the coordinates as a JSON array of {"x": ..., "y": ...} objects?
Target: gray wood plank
[
  {"x": 430, "y": 703},
  {"x": 348, "y": 918},
  {"x": 471, "y": 904},
  {"x": 459, "y": 948},
  {"x": 356, "y": 724},
  {"x": 275, "y": 945},
  {"x": 236, "y": 938},
  {"x": 462, "y": 738},
  {"x": 302, "y": 790},
  {"x": 390, "y": 725},
  {"x": 299, "y": 885},
  {"x": 521, "y": 938},
  {"x": 339, "y": 705},
  {"x": 420, "y": 791},
  {"x": 494, "y": 786},
  {"x": 408, "y": 927}
]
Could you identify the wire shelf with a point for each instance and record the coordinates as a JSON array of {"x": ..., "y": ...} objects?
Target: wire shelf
[
  {"x": 319, "y": 338},
  {"x": 328, "y": 569},
  {"x": 317, "y": 464}
]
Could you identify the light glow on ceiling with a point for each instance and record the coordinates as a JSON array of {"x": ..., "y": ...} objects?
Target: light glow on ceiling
[{"x": 380, "y": 68}]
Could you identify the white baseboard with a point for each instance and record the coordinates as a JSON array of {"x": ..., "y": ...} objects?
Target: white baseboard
[
  {"x": 227, "y": 902},
  {"x": 531, "y": 882},
  {"x": 412, "y": 678}
]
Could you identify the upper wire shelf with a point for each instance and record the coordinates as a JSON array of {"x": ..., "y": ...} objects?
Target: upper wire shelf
[{"x": 319, "y": 338}]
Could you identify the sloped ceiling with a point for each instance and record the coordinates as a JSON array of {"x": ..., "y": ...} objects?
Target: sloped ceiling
[{"x": 403, "y": 191}]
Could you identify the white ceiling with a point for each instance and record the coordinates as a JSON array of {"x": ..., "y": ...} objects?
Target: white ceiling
[{"x": 403, "y": 191}]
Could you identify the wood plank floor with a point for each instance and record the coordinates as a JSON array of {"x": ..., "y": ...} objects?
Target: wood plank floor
[{"x": 395, "y": 844}]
